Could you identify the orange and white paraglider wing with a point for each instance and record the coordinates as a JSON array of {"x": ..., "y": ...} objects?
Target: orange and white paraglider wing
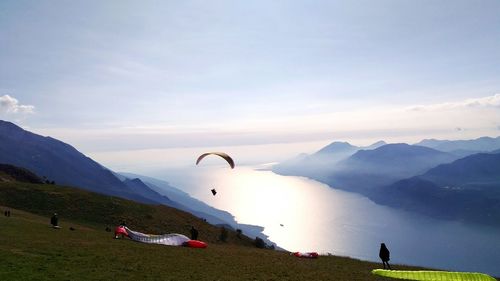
[{"x": 226, "y": 157}]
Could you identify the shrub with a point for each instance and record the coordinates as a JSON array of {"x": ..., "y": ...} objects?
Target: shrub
[{"x": 259, "y": 243}]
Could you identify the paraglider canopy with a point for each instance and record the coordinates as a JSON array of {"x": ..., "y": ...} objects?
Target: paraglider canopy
[
  {"x": 226, "y": 157},
  {"x": 428, "y": 275}
]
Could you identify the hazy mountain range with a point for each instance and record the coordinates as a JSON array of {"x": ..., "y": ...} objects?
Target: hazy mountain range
[
  {"x": 447, "y": 179},
  {"x": 463, "y": 147},
  {"x": 467, "y": 189},
  {"x": 323, "y": 161},
  {"x": 61, "y": 163}
]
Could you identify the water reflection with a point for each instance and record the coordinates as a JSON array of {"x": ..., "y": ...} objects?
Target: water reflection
[{"x": 316, "y": 217}]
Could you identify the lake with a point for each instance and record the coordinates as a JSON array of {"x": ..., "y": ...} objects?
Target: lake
[{"x": 299, "y": 214}]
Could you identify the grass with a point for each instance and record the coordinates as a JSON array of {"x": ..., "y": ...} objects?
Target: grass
[
  {"x": 31, "y": 250},
  {"x": 107, "y": 211}
]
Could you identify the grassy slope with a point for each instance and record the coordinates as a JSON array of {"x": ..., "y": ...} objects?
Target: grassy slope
[
  {"x": 101, "y": 211},
  {"x": 31, "y": 250}
]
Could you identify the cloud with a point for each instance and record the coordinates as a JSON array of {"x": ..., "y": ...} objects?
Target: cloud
[
  {"x": 490, "y": 101},
  {"x": 9, "y": 104}
]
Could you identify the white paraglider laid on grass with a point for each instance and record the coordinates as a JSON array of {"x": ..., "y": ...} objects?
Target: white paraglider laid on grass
[{"x": 171, "y": 239}]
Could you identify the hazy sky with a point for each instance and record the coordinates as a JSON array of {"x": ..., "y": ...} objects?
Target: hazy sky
[{"x": 121, "y": 75}]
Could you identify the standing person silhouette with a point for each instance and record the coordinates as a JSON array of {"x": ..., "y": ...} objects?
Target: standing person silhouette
[
  {"x": 54, "y": 221},
  {"x": 194, "y": 233},
  {"x": 384, "y": 255}
]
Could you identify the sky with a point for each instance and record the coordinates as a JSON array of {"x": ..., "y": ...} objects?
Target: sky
[{"x": 142, "y": 79}]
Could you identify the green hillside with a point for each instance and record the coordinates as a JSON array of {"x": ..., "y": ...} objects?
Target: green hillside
[
  {"x": 103, "y": 211},
  {"x": 12, "y": 173},
  {"x": 31, "y": 250}
]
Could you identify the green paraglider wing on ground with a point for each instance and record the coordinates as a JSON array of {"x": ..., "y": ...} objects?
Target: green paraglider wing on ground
[{"x": 433, "y": 275}]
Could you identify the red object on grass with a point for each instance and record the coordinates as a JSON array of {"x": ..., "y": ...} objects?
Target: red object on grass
[
  {"x": 309, "y": 255},
  {"x": 195, "y": 244},
  {"x": 120, "y": 230}
]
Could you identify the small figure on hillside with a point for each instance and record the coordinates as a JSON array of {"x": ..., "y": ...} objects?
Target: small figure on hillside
[
  {"x": 194, "y": 233},
  {"x": 223, "y": 234},
  {"x": 54, "y": 221},
  {"x": 384, "y": 255}
]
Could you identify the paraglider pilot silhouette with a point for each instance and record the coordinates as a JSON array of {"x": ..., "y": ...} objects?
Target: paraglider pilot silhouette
[{"x": 384, "y": 255}]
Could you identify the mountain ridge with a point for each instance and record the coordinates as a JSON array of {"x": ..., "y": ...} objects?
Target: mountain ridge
[
  {"x": 481, "y": 144},
  {"x": 63, "y": 164},
  {"x": 467, "y": 189},
  {"x": 314, "y": 165},
  {"x": 408, "y": 177},
  {"x": 368, "y": 169}
]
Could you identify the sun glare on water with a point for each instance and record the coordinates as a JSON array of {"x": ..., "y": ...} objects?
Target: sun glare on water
[{"x": 287, "y": 209}]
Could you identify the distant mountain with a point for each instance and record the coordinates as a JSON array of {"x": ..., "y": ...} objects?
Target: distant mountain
[
  {"x": 453, "y": 181},
  {"x": 337, "y": 148},
  {"x": 483, "y": 144},
  {"x": 61, "y": 163},
  {"x": 140, "y": 188},
  {"x": 157, "y": 185},
  {"x": 374, "y": 145},
  {"x": 466, "y": 189},
  {"x": 396, "y": 158},
  {"x": 322, "y": 161},
  {"x": 351, "y": 168},
  {"x": 478, "y": 172},
  {"x": 367, "y": 169}
]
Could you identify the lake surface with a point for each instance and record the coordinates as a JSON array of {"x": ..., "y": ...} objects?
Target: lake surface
[{"x": 300, "y": 214}]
